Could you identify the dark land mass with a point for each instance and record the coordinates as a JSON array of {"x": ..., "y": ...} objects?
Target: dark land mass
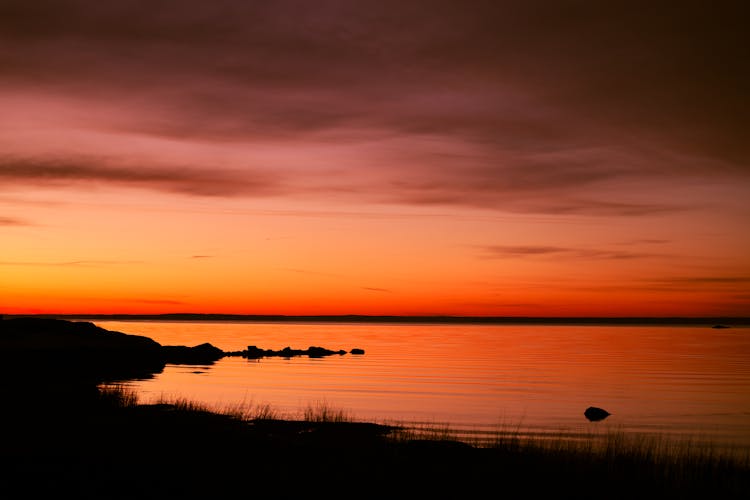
[
  {"x": 64, "y": 436},
  {"x": 353, "y": 318}
]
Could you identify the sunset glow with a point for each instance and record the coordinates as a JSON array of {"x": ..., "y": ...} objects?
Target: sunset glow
[{"x": 427, "y": 158}]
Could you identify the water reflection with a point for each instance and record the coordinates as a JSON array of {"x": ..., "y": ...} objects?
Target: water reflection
[{"x": 477, "y": 379}]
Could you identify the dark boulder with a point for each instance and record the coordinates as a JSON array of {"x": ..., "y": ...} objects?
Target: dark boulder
[
  {"x": 595, "y": 414},
  {"x": 357, "y": 351},
  {"x": 253, "y": 352},
  {"x": 319, "y": 352},
  {"x": 203, "y": 354}
]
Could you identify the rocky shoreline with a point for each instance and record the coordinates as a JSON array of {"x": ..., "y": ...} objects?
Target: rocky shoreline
[{"x": 82, "y": 344}]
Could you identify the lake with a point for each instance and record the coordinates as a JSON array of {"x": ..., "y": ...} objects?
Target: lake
[{"x": 474, "y": 380}]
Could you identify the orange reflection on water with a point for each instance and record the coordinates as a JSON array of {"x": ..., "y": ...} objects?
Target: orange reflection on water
[{"x": 539, "y": 377}]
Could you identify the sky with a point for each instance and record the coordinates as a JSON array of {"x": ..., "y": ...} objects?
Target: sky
[{"x": 501, "y": 158}]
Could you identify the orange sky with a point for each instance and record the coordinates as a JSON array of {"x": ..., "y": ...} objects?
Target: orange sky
[{"x": 373, "y": 158}]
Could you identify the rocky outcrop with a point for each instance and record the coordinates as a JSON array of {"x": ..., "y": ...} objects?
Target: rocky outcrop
[
  {"x": 200, "y": 354},
  {"x": 85, "y": 347},
  {"x": 253, "y": 352},
  {"x": 53, "y": 363},
  {"x": 82, "y": 350}
]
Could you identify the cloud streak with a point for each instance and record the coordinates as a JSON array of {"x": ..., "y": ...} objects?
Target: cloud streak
[
  {"x": 425, "y": 103},
  {"x": 412, "y": 67},
  {"x": 705, "y": 280},
  {"x": 13, "y": 221},
  {"x": 71, "y": 263},
  {"x": 535, "y": 251},
  {"x": 82, "y": 170}
]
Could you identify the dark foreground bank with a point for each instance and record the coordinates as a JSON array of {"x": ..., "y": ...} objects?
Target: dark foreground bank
[{"x": 63, "y": 436}]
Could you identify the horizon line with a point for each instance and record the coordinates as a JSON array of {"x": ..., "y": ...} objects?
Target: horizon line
[{"x": 394, "y": 318}]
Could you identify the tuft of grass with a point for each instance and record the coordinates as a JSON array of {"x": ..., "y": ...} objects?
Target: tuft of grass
[
  {"x": 323, "y": 412},
  {"x": 251, "y": 412},
  {"x": 248, "y": 411},
  {"x": 681, "y": 462},
  {"x": 423, "y": 432},
  {"x": 264, "y": 412},
  {"x": 117, "y": 396},
  {"x": 183, "y": 404}
]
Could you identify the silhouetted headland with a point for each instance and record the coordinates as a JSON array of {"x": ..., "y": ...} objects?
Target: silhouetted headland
[
  {"x": 66, "y": 360},
  {"x": 84, "y": 344}
]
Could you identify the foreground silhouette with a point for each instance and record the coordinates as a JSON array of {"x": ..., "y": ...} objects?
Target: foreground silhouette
[{"x": 64, "y": 436}]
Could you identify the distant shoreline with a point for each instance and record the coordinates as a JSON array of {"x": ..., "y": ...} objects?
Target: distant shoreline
[{"x": 489, "y": 320}]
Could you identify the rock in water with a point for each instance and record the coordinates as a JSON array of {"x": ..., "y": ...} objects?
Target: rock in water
[{"x": 595, "y": 414}]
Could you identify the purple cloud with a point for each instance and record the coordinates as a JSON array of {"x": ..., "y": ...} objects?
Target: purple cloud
[
  {"x": 566, "y": 108},
  {"x": 72, "y": 171}
]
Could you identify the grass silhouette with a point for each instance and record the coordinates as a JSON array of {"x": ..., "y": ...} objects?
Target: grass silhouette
[{"x": 327, "y": 448}]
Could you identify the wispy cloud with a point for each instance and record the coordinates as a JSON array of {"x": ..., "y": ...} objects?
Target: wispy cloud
[
  {"x": 71, "y": 263},
  {"x": 681, "y": 284},
  {"x": 375, "y": 289},
  {"x": 607, "y": 138},
  {"x": 703, "y": 280},
  {"x": 533, "y": 189},
  {"x": 228, "y": 68},
  {"x": 567, "y": 181},
  {"x": 81, "y": 170},
  {"x": 13, "y": 221},
  {"x": 645, "y": 241},
  {"x": 532, "y": 251},
  {"x": 523, "y": 251}
]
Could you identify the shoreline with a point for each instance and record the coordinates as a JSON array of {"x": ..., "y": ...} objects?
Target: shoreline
[
  {"x": 111, "y": 446},
  {"x": 64, "y": 434}
]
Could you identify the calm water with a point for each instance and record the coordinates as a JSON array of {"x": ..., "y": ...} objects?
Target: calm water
[{"x": 475, "y": 379}]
